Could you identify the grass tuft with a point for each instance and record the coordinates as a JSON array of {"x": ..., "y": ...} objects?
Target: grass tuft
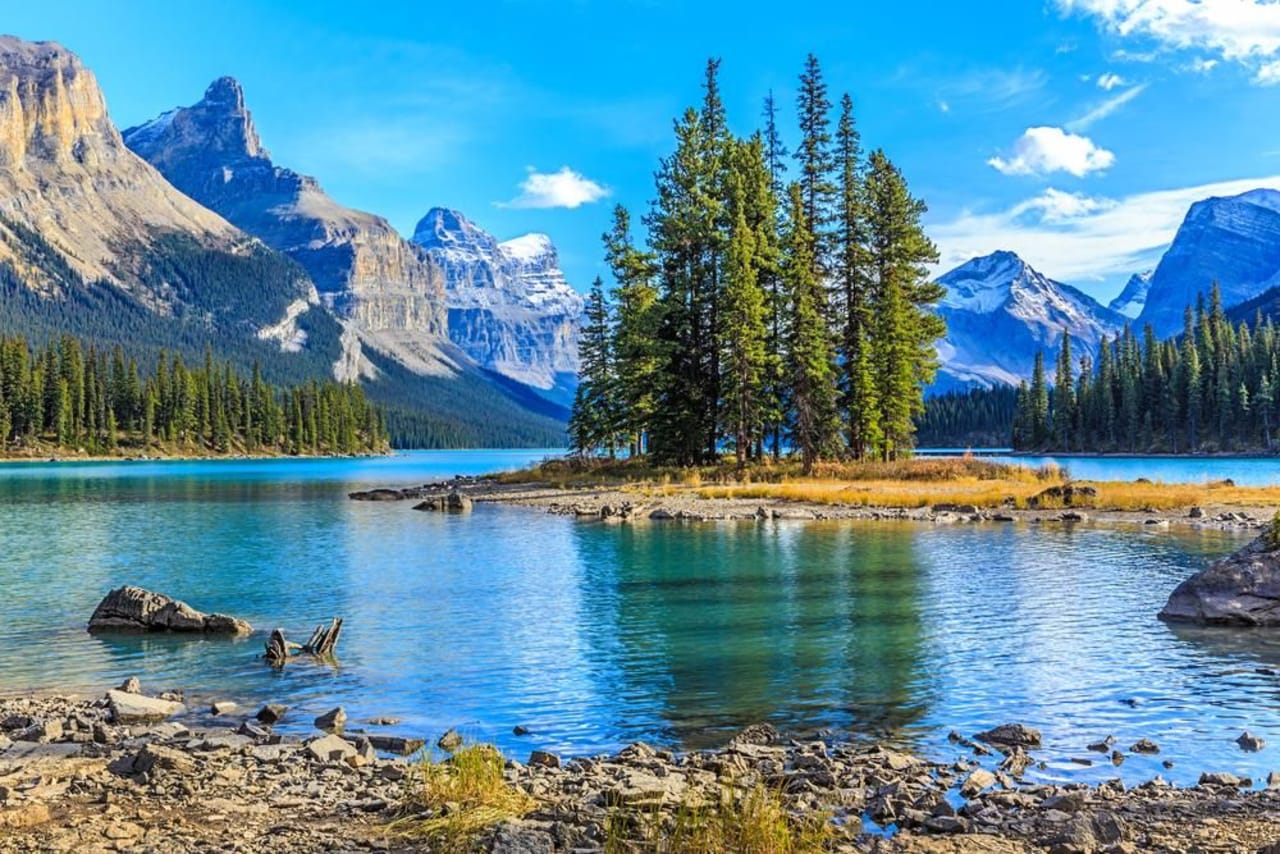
[{"x": 450, "y": 803}]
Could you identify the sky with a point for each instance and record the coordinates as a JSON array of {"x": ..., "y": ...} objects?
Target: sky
[{"x": 1074, "y": 132}]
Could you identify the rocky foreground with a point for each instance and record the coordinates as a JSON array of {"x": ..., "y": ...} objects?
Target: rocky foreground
[{"x": 120, "y": 774}]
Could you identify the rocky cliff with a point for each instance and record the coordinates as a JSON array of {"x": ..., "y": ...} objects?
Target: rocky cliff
[
  {"x": 82, "y": 218},
  {"x": 510, "y": 308},
  {"x": 386, "y": 289},
  {"x": 1234, "y": 241}
]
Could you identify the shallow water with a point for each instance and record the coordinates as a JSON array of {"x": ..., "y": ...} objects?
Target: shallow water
[{"x": 594, "y": 636}]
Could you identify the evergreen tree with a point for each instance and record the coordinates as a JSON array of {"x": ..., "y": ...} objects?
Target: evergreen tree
[
  {"x": 594, "y": 421},
  {"x": 1063, "y": 396},
  {"x": 816, "y": 163}
]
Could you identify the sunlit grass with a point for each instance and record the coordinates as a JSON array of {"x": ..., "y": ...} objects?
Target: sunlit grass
[
  {"x": 449, "y": 803},
  {"x": 755, "y": 821}
]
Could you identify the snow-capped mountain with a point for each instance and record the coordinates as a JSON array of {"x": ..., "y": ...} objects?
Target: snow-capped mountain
[
  {"x": 1133, "y": 298},
  {"x": 1234, "y": 241},
  {"x": 510, "y": 308},
  {"x": 1000, "y": 312}
]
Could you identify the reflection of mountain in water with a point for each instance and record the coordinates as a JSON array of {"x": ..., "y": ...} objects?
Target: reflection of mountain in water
[{"x": 719, "y": 627}]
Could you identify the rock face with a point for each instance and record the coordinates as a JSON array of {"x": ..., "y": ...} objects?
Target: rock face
[
  {"x": 66, "y": 173},
  {"x": 1000, "y": 312},
  {"x": 1133, "y": 298},
  {"x": 135, "y": 609},
  {"x": 385, "y": 287},
  {"x": 1234, "y": 241},
  {"x": 1242, "y": 589},
  {"x": 510, "y": 308}
]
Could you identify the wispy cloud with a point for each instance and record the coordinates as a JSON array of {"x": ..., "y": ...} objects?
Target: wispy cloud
[
  {"x": 1243, "y": 31},
  {"x": 1081, "y": 238},
  {"x": 1044, "y": 150},
  {"x": 563, "y": 189},
  {"x": 992, "y": 89},
  {"x": 1106, "y": 108},
  {"x": 1110, "y": 81},
  {"x": 1200, "y": 65}
]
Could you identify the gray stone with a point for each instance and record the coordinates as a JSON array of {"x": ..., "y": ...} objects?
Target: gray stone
[
  {"x": 1146, "y": 746},
  {"x": 134, "y": 609},
  {"x": 396, "y": 744},
  {"x": 453, "y": 502},
  {"x": 334, "y": 719},
  {"x": 976, "y": 782},
  {"x": 271, "y": 713},
  {"x": 1011, "y": 735},
  {"x": 1223, "y": 778},
  {"x": 450, "y": 741},
  {"x": 131, "y": 685},
  {"x": 1241, "y": 589},
  {"x": 544, "y": 759},
  {"x": 224, "y": 707},
  {"x": 1250, "y": 743},
  {"x": 331, "y": 747},
  {"x": 135, "y": 708},
  {"x": 154, "y": 756}
]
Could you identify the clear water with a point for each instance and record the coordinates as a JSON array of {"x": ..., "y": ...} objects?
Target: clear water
[
  {"x": 1245, "y": 471},
  {"x": 593, "y": 636}
]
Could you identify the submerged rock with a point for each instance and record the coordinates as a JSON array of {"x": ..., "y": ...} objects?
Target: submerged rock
[
  {"x": 454, "y": 502},
  {"x": 1241, "y": 589},
  {"x": 134, "y": 609}
]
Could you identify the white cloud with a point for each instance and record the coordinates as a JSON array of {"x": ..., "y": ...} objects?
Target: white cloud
[
  {"x": 1042, "y": 150},
  {"x": 1105, "y": 109},
  {"x": 943, "y": 106},
  {"x": 1245, "y": 31},
  {"x": 563, "y": 189},
  {"x": 1200, "y": 65},
  {"x": 1109, "y": 81},
  {"x": 1077, "y": 238},
  {"x": 1268, "y": 75}
]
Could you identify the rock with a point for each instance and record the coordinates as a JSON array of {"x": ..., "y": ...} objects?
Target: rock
[
  {"x": 1011, "y": 735},
  {"x": 450, "y": 741},
  {"x": 271, "y": 713},
  {"x": 544, "y": 759},
  {"x": 1117, "y": 758},
  {"x": 1273, "y": 780},
  {"x": 223, "y": 707},
  {"x": 334, "y": 719},
  {"x": 453, "y": 502},
  {"x": 519, "y": 730},
  {"x": 1196, "y": 513},
  {"x": 41, "y": 731},
  {"x": 1016, "y": 762},
  {"x": 1067, "y": 495},
  {"x": 131, "y": 685},
  {"x": 24, "y": 816},
  {"x": 756, "y": 734},
  {"x": 662, "y": 515},
  {"x": 1144, "y": 745},
  {"x": 382, "y": 721},
  {"x": 521, "y": 837},
  {"x": 1250, "y": 743},
  {"x": 377, "y": 495},
  {"x": 331, "y": 748},
  {"x": 1242, "y": 589},
  {"x": 1104, "y": 745},
  {"x": 155, "y": 756},
  {"x": 1223, "y": 778},
  {"x": 976, "y": 782},
  {"x": 1074, "y": 516},
  {"x": 395, "y": 744},
  {"x": 135, "y": 708},
  {"x": 135, "y": 609},
  {"x": 252, "y": 730}
]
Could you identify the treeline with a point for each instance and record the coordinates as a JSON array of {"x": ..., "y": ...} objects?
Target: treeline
[
  {"x": 1212, "y": 388},
  {"x": 976, "y": 418},
  {"x": 760, "y": 314},
  {"x": 72, "y": 396}
]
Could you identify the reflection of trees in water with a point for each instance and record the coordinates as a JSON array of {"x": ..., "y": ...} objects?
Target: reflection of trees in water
[{"x": 705, "y": 629}]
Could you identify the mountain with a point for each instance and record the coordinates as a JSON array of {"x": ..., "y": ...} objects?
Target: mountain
[
  {"x": 1234, "y": 241},
  {"x": 385, "y": 290},
  {"x": 95, "y": 242},
  {"x": 1133, "y": 298},
  {"x": 510, "y": 308},
  {"x": 1000, "y": 312}
]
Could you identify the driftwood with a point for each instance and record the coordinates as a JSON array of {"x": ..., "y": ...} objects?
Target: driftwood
[{"x": 323, "y": 643}]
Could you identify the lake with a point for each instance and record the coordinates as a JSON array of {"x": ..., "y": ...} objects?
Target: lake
[{"x": 593, "y": 636}]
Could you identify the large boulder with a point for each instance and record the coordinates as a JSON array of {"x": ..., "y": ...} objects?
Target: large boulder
[
  {"x": 129, "y": 708},
  {"x": 1242, "y": 589},
  {"x": 135, "y": 609}
]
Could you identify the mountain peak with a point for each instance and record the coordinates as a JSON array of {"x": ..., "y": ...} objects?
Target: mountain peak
[
  {"x": 218, "y": 122},
  {"x": 225, "y": 91}
]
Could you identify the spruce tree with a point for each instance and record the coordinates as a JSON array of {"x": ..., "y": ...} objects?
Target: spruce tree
[
  {"x": 811, "y": 375},
  {"x": 637, "y": 358},
  {"x": 1063, "y": 395},
  {"x": 593, "y": 423},
  {"x": 816, "y": 163}
]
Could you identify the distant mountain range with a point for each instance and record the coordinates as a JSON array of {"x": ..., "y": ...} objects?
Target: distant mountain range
[
  {"x": 1000, "y": 311},
  {"x": 183, "y": 233}
]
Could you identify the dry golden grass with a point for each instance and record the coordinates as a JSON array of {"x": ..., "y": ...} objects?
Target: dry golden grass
[
  {"x": 755, "y": 821},
  {"x": 451, "y": 802}
]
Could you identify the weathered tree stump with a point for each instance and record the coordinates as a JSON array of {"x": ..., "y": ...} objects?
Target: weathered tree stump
[{"x": 323, "y": 643}]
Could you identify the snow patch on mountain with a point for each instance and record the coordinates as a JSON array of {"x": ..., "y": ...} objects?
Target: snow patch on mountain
[
  {"x": 1133, "y": 298},
  {"x": 1000, "y": 312}
]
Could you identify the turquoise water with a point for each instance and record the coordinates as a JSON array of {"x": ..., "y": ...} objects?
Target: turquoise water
[
  {"x": 593, "y": 636},
  {"x": 1245, "y": 471}
]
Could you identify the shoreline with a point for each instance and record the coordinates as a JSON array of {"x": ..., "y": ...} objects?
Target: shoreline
[
  {"x": 618, "y": 504},
  {"x": 77, "y": 776}
]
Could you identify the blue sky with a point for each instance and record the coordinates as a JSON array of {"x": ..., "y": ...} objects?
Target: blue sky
[{"x": 1075, "y": 132}]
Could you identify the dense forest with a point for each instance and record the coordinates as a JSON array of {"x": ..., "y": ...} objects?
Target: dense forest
[
  {"x": 976, "y": 418},
  {"x": 760, "y": 313},
  {"x": 1210, "y": 389},
  {"x": 69, "y": 396}
]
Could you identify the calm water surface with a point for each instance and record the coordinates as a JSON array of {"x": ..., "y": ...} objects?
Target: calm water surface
[{"x": 594, "y": 636}]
